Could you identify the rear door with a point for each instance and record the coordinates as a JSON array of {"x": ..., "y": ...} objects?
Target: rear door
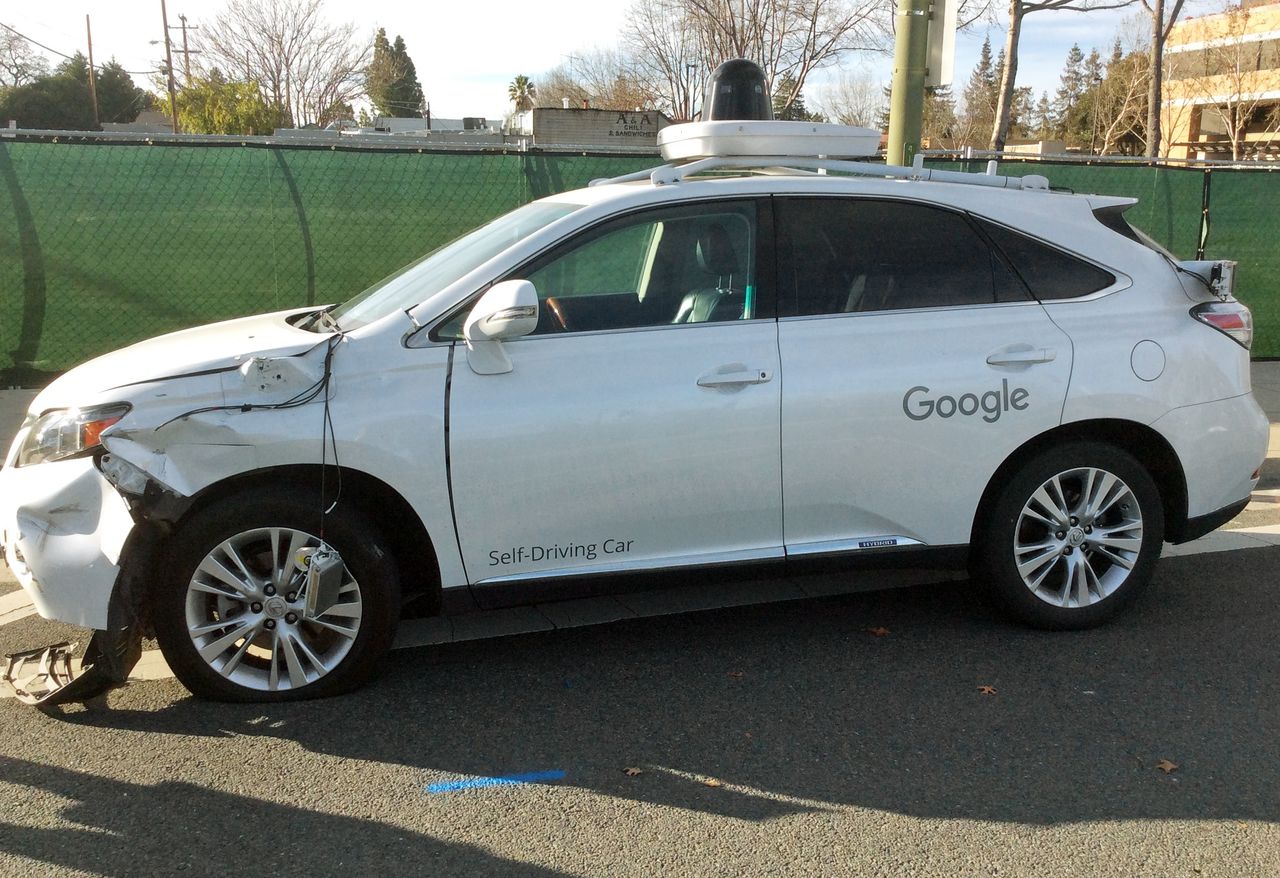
[{"x": 916, "y": 361}]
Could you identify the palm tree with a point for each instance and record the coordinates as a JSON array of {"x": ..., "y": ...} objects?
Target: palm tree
[{"x": 522, "y": 92}]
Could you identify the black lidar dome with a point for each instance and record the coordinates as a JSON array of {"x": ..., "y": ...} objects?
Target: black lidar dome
[{"x": 737, "y": 90}]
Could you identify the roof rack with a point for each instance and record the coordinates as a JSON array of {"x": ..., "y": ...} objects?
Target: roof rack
[{"x": 664, "y": 175}]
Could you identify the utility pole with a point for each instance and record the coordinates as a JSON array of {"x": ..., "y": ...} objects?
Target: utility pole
[
  {"x": 168, "y": 64},
  {"x": 186, "y": 51},
  {"x": 906, "y": 103},
  {"x": 691, "y": 69},
  {"x": 93, "y": 77}
]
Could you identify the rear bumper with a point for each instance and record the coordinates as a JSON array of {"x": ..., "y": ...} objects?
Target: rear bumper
[
  {"x": 1221, "y": 446},
  {"x": 1194, "y": 528}
]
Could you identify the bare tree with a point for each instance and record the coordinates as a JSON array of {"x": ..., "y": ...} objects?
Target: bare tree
[
  {"x": 303, "y": 64},
  {"x": 853, "y": 99},
  {"x": 1019, "y": 9},
  {"x": 788, "y": 38},
  {"x": 19, "y": 62},
  {"x": 1120, "y": 104},
  {"x": 669, "y": 58},
  {"x": 604, "y": 78},
  {"x": 1163, "y": 17}
]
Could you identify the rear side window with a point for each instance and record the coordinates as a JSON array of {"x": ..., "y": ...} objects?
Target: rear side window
[
  {"x": 1048, "y": 272},
  {"x": 847, "y": 255}
]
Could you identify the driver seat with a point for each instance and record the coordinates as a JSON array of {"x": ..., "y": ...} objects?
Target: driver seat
[{"x": 716, "y": 258}]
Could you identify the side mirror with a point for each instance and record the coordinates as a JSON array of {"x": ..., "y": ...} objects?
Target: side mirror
[{"x": 508, "y": 310}]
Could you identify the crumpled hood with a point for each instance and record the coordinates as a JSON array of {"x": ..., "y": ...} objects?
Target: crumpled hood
[{"x": 216, "y": 346}]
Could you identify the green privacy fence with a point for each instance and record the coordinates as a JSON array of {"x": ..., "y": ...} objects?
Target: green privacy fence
[
  {"x": 103, "y": 244},
  {"x": 1243, "y": 208}
]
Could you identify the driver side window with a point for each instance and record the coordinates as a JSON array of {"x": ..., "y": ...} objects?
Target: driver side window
[{"x": 688, "y": 264}]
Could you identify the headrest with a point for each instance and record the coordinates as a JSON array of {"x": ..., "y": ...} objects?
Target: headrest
[{"x": 715, "y": 251}]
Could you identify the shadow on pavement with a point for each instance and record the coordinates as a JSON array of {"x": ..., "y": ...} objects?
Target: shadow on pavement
[
  {"x": 799, "y": 707},
  {"x": 135, "y": 829}
]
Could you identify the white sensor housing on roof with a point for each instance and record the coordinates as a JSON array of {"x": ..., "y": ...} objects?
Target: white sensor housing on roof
[{"x": 697, "y": 140}]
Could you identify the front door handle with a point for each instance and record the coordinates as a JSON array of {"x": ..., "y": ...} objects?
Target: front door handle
[
  {"x": 1023, "y": 357},
  {"x": 737, "y": 376}
]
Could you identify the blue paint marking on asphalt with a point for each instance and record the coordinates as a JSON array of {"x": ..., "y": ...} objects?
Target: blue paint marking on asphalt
[{"x": 507, "y": 780}]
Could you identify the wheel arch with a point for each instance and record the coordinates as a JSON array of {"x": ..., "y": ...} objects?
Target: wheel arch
[
  {"x": 382, "y": 504},
  {"x": 1151, "y": 449}
]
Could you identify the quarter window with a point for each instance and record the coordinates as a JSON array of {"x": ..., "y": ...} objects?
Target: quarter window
[
  {"x": 1047, "y": 271},
  {"x": 853, "y": 255}
]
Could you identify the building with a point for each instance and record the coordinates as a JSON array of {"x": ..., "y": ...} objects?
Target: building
[
  {"x": 1222, "y": 85},
  {"x": 588, "y": 127}
]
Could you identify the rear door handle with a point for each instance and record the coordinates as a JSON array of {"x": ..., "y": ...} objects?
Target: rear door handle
[
  {"x": 738, "y": 376},
  {"x": 1022, "y": 358}
]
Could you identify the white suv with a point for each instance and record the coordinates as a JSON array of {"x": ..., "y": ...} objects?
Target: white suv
[{"x": 725, "y": 361}]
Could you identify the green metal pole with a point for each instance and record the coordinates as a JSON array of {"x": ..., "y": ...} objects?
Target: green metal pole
[{"x": 906, "y": 104}]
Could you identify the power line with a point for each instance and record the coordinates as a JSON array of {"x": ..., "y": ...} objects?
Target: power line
[{"x": 63, "y": 54}]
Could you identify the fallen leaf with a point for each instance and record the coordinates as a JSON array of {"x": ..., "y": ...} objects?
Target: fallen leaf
[
  {"x": 712, "y": 782},
  {"x": 748, "y": 734},
  {"x": 632, "y": 772},
  {"x": 737, "y": 675},
  {"x": 879, "y": 632},
  {"x": 1166, "y": 766},
  {"x": 987, "y": 690}
]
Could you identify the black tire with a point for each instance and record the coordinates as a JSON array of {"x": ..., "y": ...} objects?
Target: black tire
[
  {"x": 243, "y": 520},
  {"x": 1121, "y": 561}
]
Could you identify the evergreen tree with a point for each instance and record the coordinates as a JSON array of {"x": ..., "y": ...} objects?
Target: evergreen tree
[
  {"x": 58, "y": 101},
  {"x": 391, "y": 80},
  {"x": 980, "y": 95},
  {"x": 796, "y": 111},
  {"x": 213, "y": 105},
  {"x": 1071, "y": 88},
  {"x": 119, "y": 100},
  {"x": 1021, "y": 112},
  {"x": 76, "y": 67},
  {"x": 406, "y": 91},
  {"x": 939, "y": 124},
  {"x": 1042, "y": 120}
]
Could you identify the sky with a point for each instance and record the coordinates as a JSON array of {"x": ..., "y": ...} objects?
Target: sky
[{"x": 467, "y": 53}]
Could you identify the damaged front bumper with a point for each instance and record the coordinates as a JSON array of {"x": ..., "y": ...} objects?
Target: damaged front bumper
[
  {"x": 64, "y": 528},
  {"x": 72, "y": 544}
]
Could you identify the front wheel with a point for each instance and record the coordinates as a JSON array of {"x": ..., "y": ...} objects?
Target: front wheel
[
  {"x": 232, "y": 615},
  {"x": 1072, "y": 537}
]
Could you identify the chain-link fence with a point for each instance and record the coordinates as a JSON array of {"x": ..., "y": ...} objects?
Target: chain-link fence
[
  {"x": 103, "y": 244},
  {"x": 1197, "y": 213}
]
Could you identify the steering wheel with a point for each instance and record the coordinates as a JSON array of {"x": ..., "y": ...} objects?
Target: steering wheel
[{"x": 554, "y": 309}]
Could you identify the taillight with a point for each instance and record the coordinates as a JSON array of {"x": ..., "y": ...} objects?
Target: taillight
[{"x": 1231, "y": 318}]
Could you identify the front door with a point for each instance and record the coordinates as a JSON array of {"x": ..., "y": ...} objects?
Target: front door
[{"x": 638, "y": 426}]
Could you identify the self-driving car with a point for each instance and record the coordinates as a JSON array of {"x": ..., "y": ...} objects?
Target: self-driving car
[{"x": 763, "y": 350}]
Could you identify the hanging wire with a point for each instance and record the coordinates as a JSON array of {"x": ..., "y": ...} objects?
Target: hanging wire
[{"x": 70, "y": 57}]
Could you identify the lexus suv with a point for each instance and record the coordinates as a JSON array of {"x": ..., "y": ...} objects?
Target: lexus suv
[{"x": 738, "y": 357}]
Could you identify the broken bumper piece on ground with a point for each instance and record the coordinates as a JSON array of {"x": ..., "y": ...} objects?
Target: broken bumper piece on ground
[{"x": 45, "y": 677}]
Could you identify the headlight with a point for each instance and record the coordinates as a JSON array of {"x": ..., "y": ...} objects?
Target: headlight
[{"x": 66, "y": 433}]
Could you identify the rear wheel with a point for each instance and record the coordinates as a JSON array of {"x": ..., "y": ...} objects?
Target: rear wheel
[
  {"x": 1073, "y": 536},
  {"x": 232, "y": 616}
]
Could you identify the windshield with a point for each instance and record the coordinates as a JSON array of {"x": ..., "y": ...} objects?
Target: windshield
[{"x": 422, "y": 279}]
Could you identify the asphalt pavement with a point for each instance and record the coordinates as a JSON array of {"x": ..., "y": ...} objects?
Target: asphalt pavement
[{"x": 782, "y": 739}]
